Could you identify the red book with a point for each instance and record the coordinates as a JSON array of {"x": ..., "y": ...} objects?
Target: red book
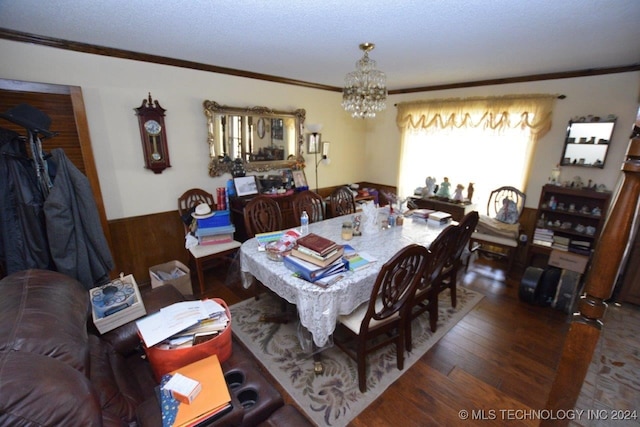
[{"x": 318, "y": 244}]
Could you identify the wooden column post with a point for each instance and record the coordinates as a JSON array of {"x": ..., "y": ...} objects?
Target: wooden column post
[{"x": 585, "y": 328}]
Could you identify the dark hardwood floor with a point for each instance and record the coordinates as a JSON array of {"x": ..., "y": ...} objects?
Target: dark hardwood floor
[{"x": 501, "y": 356}]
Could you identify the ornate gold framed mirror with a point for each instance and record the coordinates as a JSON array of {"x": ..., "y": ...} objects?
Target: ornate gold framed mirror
[{"x": 263, "y": 138}]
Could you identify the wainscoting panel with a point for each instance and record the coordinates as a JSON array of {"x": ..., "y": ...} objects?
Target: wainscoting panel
[{"x": 143, "y": 241}]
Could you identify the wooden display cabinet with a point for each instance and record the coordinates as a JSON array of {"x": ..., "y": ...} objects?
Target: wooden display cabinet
[
  {"x": 457, "y": 210},
  {"x": 576, "y": 215}
]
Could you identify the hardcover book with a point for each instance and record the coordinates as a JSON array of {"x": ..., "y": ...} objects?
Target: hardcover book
[
  {"x": 311, "y": 272},
  {"x": 318, "y": 244},
  {"x": 318, "y": 260}
]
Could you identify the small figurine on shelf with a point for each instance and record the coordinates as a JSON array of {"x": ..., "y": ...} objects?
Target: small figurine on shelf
[
  {"x": 444, "y": 190},
  {"x": 457, "y": 195},
  {"x": 470, "y": 192},
  {"x": 430, "y": 186}
]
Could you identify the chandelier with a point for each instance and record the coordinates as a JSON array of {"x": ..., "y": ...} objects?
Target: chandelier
[{"x": 365, "y": 90}]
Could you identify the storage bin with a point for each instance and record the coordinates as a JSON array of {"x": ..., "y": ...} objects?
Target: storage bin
[
  {"x": 219, "y": 219},
  {"x": 164, "y": 361},
  {"x": 182, "y": 283}
]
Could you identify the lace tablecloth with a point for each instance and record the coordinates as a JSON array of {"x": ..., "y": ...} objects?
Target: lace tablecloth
[{"x": 319, "y": 307}]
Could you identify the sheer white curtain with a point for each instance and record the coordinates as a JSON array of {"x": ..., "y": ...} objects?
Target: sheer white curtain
[{"x": 485, "y": 141}]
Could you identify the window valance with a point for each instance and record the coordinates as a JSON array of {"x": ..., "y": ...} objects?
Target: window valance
[{"x": 497, "y": 113}]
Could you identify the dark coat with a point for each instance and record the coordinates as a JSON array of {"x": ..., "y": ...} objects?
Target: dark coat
[
  {"x": 76, "y": 239},
  {"x": 23, "y": 239}
]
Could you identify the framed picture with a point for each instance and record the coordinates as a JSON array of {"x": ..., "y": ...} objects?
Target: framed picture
[
  {"x": 313, "y": 143},
  {"x": 299, "y": 179},
  {"x": 246, "y": 185}
]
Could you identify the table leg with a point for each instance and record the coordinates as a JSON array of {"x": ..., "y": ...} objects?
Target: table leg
[{"x": 318, "y": 367}]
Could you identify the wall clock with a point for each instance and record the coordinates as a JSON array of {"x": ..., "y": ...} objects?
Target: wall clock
[{"x": 153, "y": 135}]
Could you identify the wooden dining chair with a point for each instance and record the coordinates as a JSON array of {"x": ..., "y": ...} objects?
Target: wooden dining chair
[
  {"x": 383, "y": 316},
  {"x": 342, "y": 202},
  {"x": 310, "y": 202},
  {"x": 424, "y": 298},
  {"x": 203, "y": 256},
  {"x": 262, "y": 215},
  {"x": 448, "y": 277}
]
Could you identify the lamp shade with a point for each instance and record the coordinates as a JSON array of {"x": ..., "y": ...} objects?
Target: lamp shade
[{"x": 314, "y": 127}]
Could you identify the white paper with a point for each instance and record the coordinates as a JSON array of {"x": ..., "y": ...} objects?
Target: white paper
[{"x": 170, "y": 320}]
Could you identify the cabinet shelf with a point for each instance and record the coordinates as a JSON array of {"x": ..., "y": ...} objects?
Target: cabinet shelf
[{"x": 588, "y": 199}]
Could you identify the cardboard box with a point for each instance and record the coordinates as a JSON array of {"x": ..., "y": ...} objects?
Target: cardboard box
[
  {"x": 116, "y": 303},
  {"x": 568, "y": 261},
  {"x": 163, "y": 274}
]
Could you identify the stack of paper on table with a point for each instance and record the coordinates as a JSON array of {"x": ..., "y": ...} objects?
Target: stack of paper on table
[{"x": 175, "y": 318}]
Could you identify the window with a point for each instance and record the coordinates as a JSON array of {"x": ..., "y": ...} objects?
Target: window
[{"x": 487, "y": 142}]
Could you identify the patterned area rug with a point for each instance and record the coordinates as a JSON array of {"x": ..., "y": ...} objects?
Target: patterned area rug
[{"x": 333, "y": 398}]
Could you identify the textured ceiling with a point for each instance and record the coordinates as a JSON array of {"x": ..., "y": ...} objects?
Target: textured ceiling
[{"x": 418, "y": 42}]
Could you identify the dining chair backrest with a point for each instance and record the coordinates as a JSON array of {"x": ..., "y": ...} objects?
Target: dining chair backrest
[
  {"x": 396, "y": 283},
  {"x": 506, "y": 204},
  {"x": 342, "y": 202},
  {"x": 310, "y": 202},
  {"x": 441, "y": 249},
  {"x": 262, "y": 215},
  {"x": 466, "y": 227},
  {"x": 189, "y": 200}
]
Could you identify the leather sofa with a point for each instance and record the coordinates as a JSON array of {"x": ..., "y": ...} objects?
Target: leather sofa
[{"x": 56, "y": 369}]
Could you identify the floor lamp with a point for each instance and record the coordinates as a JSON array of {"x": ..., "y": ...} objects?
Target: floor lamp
[{"x": 314, "y": 142}]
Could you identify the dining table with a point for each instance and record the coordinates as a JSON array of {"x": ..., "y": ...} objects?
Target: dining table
[{"x": 319, "y": 307}]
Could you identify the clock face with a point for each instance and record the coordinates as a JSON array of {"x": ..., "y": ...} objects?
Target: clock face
[{"x": 152, "y": 127}]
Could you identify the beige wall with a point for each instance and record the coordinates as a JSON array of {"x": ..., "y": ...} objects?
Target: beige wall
[
  {"x": 360, "y": 150},
  {"x": 112, "y": 88},
  {"x": 599, "y": 95}
]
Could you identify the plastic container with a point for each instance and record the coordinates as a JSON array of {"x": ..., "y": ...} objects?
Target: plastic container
[{"x": 304, "y": 223}]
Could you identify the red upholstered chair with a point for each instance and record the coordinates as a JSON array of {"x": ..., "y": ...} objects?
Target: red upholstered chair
[{"x": 383, "y": 316}]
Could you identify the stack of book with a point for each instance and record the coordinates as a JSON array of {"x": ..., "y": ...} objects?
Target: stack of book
[
  {"x": 439, "y": 218},
  {"x": 317, "y": 250},
  {"x": 560, "y": 243},
  {"x": 355, "y": 260},
  {"x": 580, "y": 247},
  {"x": 422, "y": 214},
  {"x": 543, "y": 237},
  {"x": 315, "y": 257},
  {"x": 216, "y": 229}
]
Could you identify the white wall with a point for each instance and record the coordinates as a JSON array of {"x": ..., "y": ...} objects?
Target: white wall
[
  {"x": 615, "y": 94},
  {"x": 112, "y": 88},
  {"x": 360, "y": 150}
]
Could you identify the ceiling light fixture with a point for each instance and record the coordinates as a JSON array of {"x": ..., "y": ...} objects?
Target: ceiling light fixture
[{"x": 365, "y": 90}]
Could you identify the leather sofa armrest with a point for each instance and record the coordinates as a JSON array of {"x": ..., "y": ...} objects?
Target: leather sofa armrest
[{"x": 125, "y": 339}]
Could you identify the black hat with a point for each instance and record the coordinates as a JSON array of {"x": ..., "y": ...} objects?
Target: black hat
[{"x": 30, "y": 118}]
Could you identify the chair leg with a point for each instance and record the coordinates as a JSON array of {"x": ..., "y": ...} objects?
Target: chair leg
[
  {"x": 433, "y": 313},
  {"x": 362, "y": 364},
  {"x": 453, "y": 282},
  {"x": 400, "y": 340},
  {"x": 407, "y": 333},
  {"x": 200, "y": 277}
]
